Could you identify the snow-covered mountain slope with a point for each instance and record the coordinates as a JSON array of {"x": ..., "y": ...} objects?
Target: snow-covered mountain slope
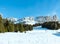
[
  {"x": 30, "y": 37},
  {"x": 27, "y": 20},
  {"x": 13, "y": 19}
]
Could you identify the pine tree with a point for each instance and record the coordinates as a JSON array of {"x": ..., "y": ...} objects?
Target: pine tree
[
  {"x": 11, "y": 26},
  {"x": 6, "y": 25},
  {"x": 2, "y": 29},
  {"x": 30, "y": 27},
  {"x": 16, "y": 27},
  {"x": 26, "y": 28},
  {"x": 21, "y": 28}
]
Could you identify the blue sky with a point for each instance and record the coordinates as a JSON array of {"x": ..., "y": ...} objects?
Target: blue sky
[{"x": 24, "y": 8}]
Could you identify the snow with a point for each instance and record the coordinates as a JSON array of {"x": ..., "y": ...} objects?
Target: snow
[
  {"x": 30, "y": 23},
  {"x": 12, "y": 19},
  {"x": 28, "y": 20},
  {"x": 30, "y": 37}
]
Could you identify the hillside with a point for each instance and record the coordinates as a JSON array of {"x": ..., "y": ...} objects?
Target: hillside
[{"x": 31, "y": 37}]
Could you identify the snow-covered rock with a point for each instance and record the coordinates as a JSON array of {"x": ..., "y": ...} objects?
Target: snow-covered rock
[
  {"x": 28, "y": 20},
  {"x": 12, "y": 19}
]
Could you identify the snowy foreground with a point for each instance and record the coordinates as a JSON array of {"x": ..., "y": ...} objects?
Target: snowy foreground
[{"x": 30, "y": 37}]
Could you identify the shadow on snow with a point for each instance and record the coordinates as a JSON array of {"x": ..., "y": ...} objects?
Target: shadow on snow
[{"x": 57, "y": 34}]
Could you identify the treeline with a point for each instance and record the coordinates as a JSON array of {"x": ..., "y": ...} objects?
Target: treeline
[
  {"x": 23, "y": 27},
  {"x": 51, "y": 25},
  {"x": 9, "y": 26},
  {"x": 37, "y": 24}
]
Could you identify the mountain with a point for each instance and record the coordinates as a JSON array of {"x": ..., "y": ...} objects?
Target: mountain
[{"x": 27, "y": 20}]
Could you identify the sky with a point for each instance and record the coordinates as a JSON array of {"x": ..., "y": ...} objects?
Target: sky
[{"x": 28, "y": 8}]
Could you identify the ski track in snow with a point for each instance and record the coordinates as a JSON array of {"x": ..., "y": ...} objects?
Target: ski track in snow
[{"x": 30, "y": 37}]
